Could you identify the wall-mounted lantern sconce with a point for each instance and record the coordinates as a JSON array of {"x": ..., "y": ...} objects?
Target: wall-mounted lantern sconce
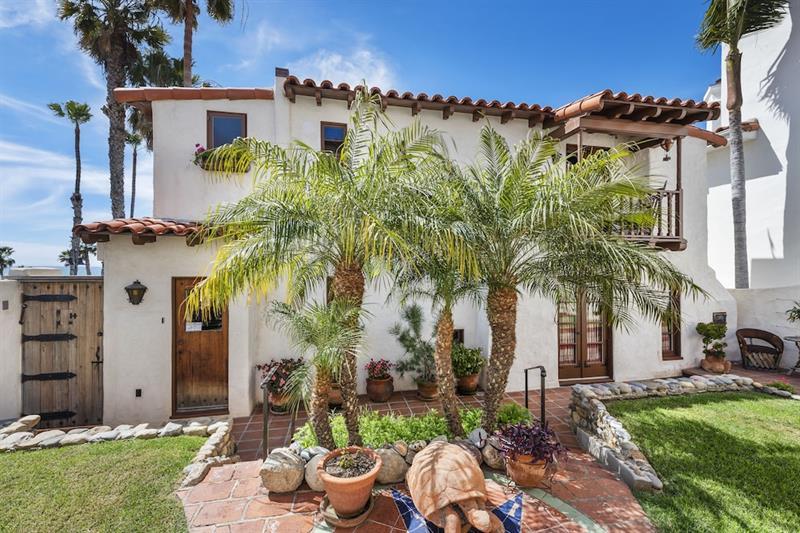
[{"x": 135, "y": 292}]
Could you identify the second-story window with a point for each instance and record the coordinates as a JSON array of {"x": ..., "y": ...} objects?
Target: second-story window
[
  {"x": 223, "y": 127},
  {"x": 332, "y": 135}
]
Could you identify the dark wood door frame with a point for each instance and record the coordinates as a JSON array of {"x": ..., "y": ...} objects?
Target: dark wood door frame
[
  {"x": 583, "y": 371},
  {"x": 176, "y": 319}
]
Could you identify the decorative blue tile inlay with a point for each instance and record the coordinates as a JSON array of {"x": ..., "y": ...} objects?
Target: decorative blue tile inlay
[{"x": 509, "y": 513}]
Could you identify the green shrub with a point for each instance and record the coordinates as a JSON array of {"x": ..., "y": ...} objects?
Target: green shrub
[
  {"x": 466, "y": 361},
  {"x": 712, "y": 334},
  {"x": 377, "y": 429},
  {"x": 781, "y": 386}
]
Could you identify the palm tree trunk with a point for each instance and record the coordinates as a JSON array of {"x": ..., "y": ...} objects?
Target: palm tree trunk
[
  {"x": 501, "y": 311},
  {"x": 445, "y": 379},
  {"x": 115, "y": 77},
  {"x": 188, "y": 29},
  {"x": 348, "y": 286},
  {"x": 733, "y": 69},
  {"x": 77, "y": 207},
  {"x": 319, "y": 410},
  {"x": 133, "y": 178}
]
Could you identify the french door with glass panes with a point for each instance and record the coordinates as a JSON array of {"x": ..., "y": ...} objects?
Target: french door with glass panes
[{"x": 584, "y": 341}]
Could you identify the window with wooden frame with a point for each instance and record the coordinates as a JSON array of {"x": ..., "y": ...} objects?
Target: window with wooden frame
[
  {"x": 332, "y": 135},
  {"x": 671, "y": 332},
  {"x": 223, "y": 127},
  {"x": 458, "y": 336}
]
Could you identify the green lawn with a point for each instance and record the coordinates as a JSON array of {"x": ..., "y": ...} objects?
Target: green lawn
[
  {"x": 729, "y": 461},
  {"x": 114, "y": 486}
]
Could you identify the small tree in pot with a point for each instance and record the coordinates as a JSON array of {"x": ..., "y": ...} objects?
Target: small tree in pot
[
  {"x": 419, "y": 352},
  {"x": 714, "y": 347},
  {"x": 529, "y": 449},
  {"x": 467, "y": 366},
  {"x": 277, "y": 373},
  {"x": 348, "y": 475},
  {"x": 380, "y": 384}
]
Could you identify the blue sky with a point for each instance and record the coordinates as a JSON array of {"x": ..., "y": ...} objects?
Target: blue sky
[{"x": 537, "y": 52}]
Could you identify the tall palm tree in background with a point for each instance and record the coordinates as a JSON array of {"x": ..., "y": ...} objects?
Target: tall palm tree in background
[
  {"x": 112, "y": 33},
  {"x": 134, "y": 140},
  {"x": 187, "y": 11},
  {"x": 77, "y": 113},
  {"x": 86, "y": 250},
  {"x": 326, "y": 332},
  {"x": 315, "y": 214},
  {"x": 725, "y": 23},
  {"x": 538, "y": 225},
  {"x": 6, "y": 261}
]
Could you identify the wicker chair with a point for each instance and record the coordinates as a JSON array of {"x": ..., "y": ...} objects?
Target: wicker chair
[{"x": 759, "y": 355}]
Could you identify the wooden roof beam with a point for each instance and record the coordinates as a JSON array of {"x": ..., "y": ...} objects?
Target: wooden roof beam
[
  {"x": 416, "y": 107},
  {"x": 140, "y": 240},
  {"x": 505, "y": 116},
  {"x": 644, "y": 113},
  {"x": 447, "y": 111}
]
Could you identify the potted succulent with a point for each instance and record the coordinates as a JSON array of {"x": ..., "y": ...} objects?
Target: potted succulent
[
  {"x": 380, "y": 384},
  {"x": 335, "y": 394},
  {"x": 467, "y": 365},
  {"x": 276, "y": 373},
  {"x": 418, "y": 358},
  {"x": 529, "y": 450},
  {"x": 348, "y": 475},
  {"x": 714, "y": 347}
]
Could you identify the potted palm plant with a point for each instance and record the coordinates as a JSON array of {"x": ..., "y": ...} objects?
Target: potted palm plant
[
  {"x": 418, "y": 358},
  {"x": 714, "y": 347},
  {"x": 467, "y": 366},
  {"x": 529, "y": 450},
  {"x": 380, "y": 384},
  {"x": 276, "y": 373}
]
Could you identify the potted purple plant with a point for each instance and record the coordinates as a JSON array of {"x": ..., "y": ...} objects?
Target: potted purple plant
[
  {"x": 380, "y": 384},
  {"x": 529, "y": 449},
  {"x": 276, "y": 373}
]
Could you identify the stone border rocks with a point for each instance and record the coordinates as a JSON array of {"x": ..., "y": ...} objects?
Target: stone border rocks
[
  {"x": 219, "y": 449},
  {"x": 604, "y": 437}
]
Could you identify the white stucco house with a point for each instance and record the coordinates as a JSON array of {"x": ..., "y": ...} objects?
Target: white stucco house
[{"x": 159, "y": 365}]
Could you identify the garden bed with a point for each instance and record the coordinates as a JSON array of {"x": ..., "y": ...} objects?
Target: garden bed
[
  {"x": 110, "y": 486},
  {"x": 729, "y": 461}
]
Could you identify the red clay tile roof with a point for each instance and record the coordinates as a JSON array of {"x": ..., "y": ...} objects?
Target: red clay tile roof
[
  {"x": 637, "y": 107},
  {"x": 149, "y": 94},
  {"x": 144, "y": 229}
]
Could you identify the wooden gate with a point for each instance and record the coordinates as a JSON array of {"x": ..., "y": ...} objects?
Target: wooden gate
[{"x": 62, "y": 351}]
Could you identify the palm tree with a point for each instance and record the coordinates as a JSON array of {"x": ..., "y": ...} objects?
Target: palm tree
[
  {"x": 6, "y": 261},
  {"x": 328, "y": 333},
  {"x": 725, "y": 23},
  {"x": 186, "y": 11},
  {"x": 315, "y": 214},
  {"x": 78, "y": 114},
  {"x": 111, "y": 32},
  {"x": 133, "y": 140},
  {"x": 65, "y": 257},
  {"x": 539, "y": 225}
]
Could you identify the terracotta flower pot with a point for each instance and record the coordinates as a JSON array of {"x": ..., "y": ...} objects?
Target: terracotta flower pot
[
  {"x": 278, "y": 403},
  {"x": 468, "y": 384},
  {"x": 427, "y": 391},
  {"x": 716, "y": 364},
  {"x": 335, "y": 395},
  {"x": 349, "y": 495},
  {"x": 380, "y": 390},
  {"x": 526, "y": 473}
]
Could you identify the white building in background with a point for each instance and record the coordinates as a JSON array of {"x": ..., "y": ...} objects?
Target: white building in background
[
  {"x": 159, "y": 365},
  {"x": 771, "y": 112}
]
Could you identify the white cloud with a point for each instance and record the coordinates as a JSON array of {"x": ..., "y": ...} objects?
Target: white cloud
[
  {"x": 27, "y": 253},
  {"x": 15, "y": 13},
  {"x": 39, "y": 112},
  {"x": 354, "y": 67},
  {"x": 254, "y": 45}
]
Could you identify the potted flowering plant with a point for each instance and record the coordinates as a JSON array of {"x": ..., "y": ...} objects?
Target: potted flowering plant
[
  {"x": 529, "y": 449},
  {"x": 467, "y": 365},
  {"x": 205, "y": 158},
  {"x": 714, "y": 347},
  {"x": 276, "y": 375},
  {"x": 380, "y": 384}
]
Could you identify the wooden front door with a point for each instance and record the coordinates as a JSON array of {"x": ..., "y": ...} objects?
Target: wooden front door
[
  {"x": 584, "y": 342},
  {"x": 200, "y": 358},
  {"x": 62, "y": 351}
]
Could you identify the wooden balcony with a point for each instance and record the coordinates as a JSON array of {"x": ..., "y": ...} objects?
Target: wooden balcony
[{"x": 667, "y": 231}]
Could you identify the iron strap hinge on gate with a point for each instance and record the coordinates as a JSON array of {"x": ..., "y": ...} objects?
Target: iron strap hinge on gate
[
  {"x": 48, "y": 376},
  {"x": 48, "y": 297},
  {"x": 49, "y": 337},
  {"x": 56, "y": 415}
]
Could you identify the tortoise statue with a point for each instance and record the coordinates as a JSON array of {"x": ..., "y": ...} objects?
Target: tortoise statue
[{"x": 445, "y": 483}]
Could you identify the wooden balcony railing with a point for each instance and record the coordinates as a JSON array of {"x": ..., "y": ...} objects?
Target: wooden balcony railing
[{"x": 667, "y": 231}]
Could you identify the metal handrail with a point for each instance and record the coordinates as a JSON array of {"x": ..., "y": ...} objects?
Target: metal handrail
[{"x": 542, "y": 376}]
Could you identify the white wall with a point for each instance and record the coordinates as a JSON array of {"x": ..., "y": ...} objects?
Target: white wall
[
  {"x": 138, "y": 339},
  {"x": 770, "y": 77},
  {"x": 766, "y": 309},
  {"x": 10, "y": 350}
]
